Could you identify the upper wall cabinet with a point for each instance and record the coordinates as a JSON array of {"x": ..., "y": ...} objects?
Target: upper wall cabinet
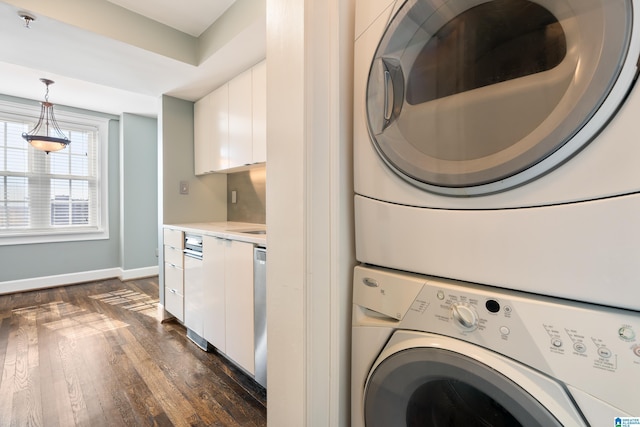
[
  {"x": 230, "y": 124},
  {"x": 211, "y": 132},
  {"x": 259, "y": 109},
  {"x": 240, "y": 120}
]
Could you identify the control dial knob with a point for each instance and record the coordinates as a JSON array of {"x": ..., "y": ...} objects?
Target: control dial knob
[{"x": 465, "y": 316}]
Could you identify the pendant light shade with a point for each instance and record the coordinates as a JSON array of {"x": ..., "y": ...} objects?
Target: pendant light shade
[{"x": 46, "y": 135}]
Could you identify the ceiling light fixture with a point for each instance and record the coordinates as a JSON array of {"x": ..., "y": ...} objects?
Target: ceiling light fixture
[
  {"x": 27, "y": 18},
  {"x": 46, "y": 135}
]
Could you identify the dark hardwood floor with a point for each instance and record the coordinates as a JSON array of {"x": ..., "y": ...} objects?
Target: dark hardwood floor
[{"x": 95, "y": 354}]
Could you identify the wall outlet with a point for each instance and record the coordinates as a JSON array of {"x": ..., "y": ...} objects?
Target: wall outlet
[{"x": 184, "y": 187}]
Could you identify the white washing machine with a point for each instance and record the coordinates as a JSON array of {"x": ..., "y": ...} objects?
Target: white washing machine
[
  {"x": 441, "y": 353},
  {"x": 497, "y": 142}
]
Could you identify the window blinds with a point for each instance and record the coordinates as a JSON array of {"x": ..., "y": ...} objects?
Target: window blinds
[{"x": 48, "y": 193}]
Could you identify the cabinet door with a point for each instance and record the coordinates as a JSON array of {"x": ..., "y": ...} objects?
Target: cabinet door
[
  {"x": 220, "y": 128},
  {"x": 239, "y": 304},
  {"x": 213, "y": 250},
  {"x": 174, "y": 290},
  {"x": 240, "y": 127},
  {"x": 202, "y": 136},
  {"x": 174, "y": 303},
  {"x": 259, "y": 108}
]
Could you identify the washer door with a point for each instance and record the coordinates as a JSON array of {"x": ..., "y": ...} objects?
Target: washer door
[
  {"x": 433, "y": 387},
  {"x": 469, "y": 97}
]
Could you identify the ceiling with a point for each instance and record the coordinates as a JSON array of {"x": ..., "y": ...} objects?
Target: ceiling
[
  {"x": 189, "y": 16},
  {"x": 121, "y": 56}
]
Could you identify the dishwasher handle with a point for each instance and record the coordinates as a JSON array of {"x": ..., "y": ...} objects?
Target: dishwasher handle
[{"x": 192, "y": 254}]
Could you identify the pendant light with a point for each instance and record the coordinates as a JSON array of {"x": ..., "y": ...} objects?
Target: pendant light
[{"x": 46, "y": 135}]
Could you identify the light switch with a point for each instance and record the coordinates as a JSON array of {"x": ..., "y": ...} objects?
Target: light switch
[
  {"x": 184, "y": 187},
  {"x": 234, "y": 196}
]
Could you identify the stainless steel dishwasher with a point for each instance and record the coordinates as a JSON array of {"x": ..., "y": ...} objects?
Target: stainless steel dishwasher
[{"x": 260, "y": 313}]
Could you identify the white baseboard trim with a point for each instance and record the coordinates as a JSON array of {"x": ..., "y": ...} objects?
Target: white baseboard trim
[
  {"x": 35, "y": 283},
  {"x": 138, "y": 273}
]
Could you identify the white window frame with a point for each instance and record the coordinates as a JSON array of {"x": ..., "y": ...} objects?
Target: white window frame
[{"x": 20, "y": 112}]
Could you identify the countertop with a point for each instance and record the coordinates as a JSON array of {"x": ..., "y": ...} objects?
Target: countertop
[{"x": 226, "y": 230}]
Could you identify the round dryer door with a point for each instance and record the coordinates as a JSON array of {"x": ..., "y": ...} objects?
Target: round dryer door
[
  {"x": 432, "y": 387},
  {"x": 469, "y": 97}
]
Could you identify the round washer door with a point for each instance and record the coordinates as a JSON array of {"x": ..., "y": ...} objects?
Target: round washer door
[
  {"x": 470, "y": 97},
  {"x": 434, "y": 387}
]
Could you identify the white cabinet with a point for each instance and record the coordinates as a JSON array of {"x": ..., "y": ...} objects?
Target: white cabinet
[
  {"x": 203, "y": 136},
  {"x": 213, "y": 250},
  {"x": 174, "y": 272},
  {"x": 240, "y": 121},
  {"x": 239, "y": 304},
  {"x": 259, "y": 112},
  {"x": 228, "y": 299},
  {"x": 220, "y": 128},
  {"x": 211, "y": 132},
  {"x": 230, "y": 124}
]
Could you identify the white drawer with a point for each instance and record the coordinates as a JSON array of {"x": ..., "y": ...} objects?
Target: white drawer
[
  {"x": 173, "y": 256},
  {"x": 174, "y": 278},
  {"x": 174, "y": 238},
  {"x": 174, "y": 303}
]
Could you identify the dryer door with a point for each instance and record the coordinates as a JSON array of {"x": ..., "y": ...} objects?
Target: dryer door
[
  {"x": 468, "y": 97},
  {"x": 431, "y": 387}
]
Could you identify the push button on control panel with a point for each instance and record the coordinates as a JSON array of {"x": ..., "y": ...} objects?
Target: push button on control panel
[
  {"x": 579, "y": 347},
  {"x": 604, "y": 352}
]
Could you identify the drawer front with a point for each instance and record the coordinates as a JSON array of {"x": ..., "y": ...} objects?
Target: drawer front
[
  {"x": 173, "y": 256},
  {"x": 174, "y": 238},
  {"x": 174, "y": 278},
  {"x": 174, "y": 303}
]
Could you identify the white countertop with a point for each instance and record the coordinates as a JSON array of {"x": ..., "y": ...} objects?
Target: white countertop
[{"x": 226, "y": 230}]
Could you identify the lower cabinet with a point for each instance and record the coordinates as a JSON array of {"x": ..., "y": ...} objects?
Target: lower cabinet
[
  {"x": 239, "y": 304},
  {"x": 228, "y": 299},
  {"x": 213, "y": 249},
  {"x": 174, "y": 272},
  {"x": 173, "y": 290}
]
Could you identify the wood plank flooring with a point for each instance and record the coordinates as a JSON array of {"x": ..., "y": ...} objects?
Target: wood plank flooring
[{"x": 95, "y": 354}]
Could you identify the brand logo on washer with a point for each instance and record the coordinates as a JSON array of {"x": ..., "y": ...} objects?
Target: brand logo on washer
[{"x": 627, "y": 422}]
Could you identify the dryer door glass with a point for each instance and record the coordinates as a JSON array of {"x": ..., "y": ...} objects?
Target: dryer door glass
[
  {"x": 432, "y": 387},
  {"x": 466, "y": 93}
]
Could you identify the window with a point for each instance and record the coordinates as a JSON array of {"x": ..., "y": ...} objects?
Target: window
[{"x": 58, "y": 196}]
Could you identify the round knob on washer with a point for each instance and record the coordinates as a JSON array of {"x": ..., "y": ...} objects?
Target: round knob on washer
[
  {"x": 465, "y": 316},
  {"x": 626, "y": 333}
]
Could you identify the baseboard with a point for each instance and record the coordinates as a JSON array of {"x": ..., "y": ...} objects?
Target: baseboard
[
  {"x": 35, "y": 283},
  {"x": 32, "y": 284},
  {"x": 138, "y": 273}
]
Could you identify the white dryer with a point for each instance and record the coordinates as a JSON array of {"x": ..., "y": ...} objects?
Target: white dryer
[
  {"x": 498, "y": 142},
  {"x": 440, "y": 353}
]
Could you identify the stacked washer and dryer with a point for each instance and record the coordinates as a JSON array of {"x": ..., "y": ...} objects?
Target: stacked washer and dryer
[{"x": 497, "y": 213}]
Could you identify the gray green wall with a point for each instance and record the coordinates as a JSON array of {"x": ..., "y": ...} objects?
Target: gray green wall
[
  {"x": 139, "y": 208},
  {"x": 207, "y": 198},
  {"x": 49, "y": 259},
  {"x": 133, "y": 206}
]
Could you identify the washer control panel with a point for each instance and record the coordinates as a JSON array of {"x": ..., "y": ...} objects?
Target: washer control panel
[{"x": 594, "y": 348}]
